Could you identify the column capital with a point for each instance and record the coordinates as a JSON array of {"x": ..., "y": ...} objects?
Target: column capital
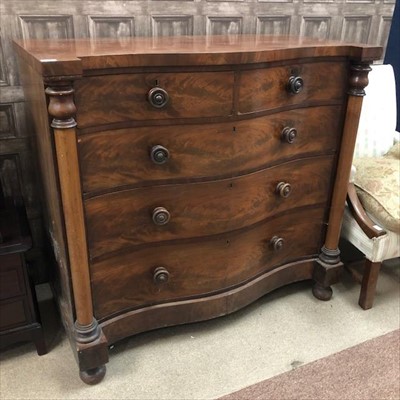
[
  {"x": 358, "y": 79},
  {"x": 61, "y": 105}
]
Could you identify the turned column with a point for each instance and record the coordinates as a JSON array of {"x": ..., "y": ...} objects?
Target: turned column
[
  {"x": 91, "y": 345},
  {"x": 329, "y": 265},
  {"x": 62, "y": 109}
]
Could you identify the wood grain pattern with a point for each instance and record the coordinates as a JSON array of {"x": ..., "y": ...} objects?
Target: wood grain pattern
[
  {"x": 124, "y": 219},
  {"x": 230, "y": 259},
  {"x": 119, "y": 158},
  {"x": 215, "y": 253},
  {"x": 107, "y": 99},
  {"x": 264, "y": 89},
  {"x": 203, "y": 308},
  {"x": 98, "y": 18},
  {"x": 67, "y": 162},
  {"x": 343, "y": 171},
  {"x": 71, "y": 57}
]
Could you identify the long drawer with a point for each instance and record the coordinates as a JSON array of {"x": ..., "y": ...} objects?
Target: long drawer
[
  {"x": 144, "y": 155},
  {"x": 167, "y": 212},
  {"x": 116, "y": 98},
  {"x": 200, "y": 267}
]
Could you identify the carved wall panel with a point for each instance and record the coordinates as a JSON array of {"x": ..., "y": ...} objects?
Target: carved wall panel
[
  {"x": 171, "y": 25},
  {"x": 317, "y": 27},
  {"x": 47, "y": 26},
  {"x": 355, "y": 20},
  {"x": 356, "y": 29},
  {"x": 9, "y": 167},
  {"x": 3, "y": 71},
  {"x": 7, "y": 121},
  {"x": 230, "y": 26},
  {"x": 270, "y": 25},
  {"x": 384, "y": 29},
  {"x": 111, "y": 27}
]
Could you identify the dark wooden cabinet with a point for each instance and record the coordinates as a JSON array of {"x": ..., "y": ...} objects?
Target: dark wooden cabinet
[
  {"x": 19, "y": 317},
  {"x": 187, "y": 177}
]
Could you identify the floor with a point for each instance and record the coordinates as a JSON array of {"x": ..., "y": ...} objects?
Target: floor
[{"x": 281, "y": 331}]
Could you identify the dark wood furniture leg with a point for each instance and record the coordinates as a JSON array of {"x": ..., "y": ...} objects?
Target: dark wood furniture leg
[
  {"x": 93, "y": 376},
  {"x": 368, "y": 285}
]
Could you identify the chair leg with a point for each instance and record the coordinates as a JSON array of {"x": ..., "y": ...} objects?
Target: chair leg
[{"x": 368, "y": 285}]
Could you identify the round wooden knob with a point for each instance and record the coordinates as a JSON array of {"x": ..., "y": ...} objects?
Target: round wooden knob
[
  {"x": 289, "y": 135},
  {"x": 283, "y": 189},
  {"x": 277, "y": 243},
  {"x": 161, "y": 275},
  {"x": 295, "y": 84},
  {"x": 158, "y": 97},
  {"x": 161, "y": 216},
  {"x": 159, "y": 154}
]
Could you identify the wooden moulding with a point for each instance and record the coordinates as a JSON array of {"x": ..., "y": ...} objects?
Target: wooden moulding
[
  {"x": 70, "y": 57},
  {"x": 357, "y": 83},
  {"x": 329, "y": 264},
  {"x": 62, "y": 109},
  {"x": 369, "y": 227},
  {"x": 204, "y": 308}
]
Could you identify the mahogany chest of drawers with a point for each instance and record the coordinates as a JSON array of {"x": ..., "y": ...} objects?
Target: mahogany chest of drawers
[{"x": 186, "y": 177}]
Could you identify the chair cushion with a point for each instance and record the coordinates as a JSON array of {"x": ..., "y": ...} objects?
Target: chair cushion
[
  {"x": 394, "y": 152},
  {"x": 378, "y": 185}
]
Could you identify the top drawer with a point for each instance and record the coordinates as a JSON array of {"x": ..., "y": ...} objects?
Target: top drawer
[
  {"x": 269, "y": 88},
  {"x": 116, "y": 98}
]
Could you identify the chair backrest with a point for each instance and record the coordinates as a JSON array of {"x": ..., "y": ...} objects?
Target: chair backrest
[{"x": 377, "y": 128}]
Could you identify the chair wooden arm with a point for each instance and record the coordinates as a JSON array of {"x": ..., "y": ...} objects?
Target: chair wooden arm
[{"x": 370, "y": 228}]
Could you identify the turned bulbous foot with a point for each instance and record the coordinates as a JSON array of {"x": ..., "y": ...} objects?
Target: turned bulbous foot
[
  {"x": 321, "y": 292},
  {"x": 93, "y": 376}
]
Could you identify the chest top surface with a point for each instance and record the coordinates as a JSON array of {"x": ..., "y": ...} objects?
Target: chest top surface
[{"x": 73, "y": 56}]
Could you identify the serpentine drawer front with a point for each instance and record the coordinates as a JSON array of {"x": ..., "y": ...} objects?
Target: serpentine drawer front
[
  {"x": 231, "y": 258},
  {"x": 186, "y": 178},
  {"x": 128, "y": 218},
  {"x": 144, "y": 155}
]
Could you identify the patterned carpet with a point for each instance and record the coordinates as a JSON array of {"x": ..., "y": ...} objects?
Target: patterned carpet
[{"x": 368, "y": 371}]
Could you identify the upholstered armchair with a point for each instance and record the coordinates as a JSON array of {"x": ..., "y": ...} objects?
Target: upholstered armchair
[{"x": 371, "y": 220}]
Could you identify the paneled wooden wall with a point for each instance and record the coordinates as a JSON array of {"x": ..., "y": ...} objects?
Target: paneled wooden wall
[{"x": 366, "y": 21}]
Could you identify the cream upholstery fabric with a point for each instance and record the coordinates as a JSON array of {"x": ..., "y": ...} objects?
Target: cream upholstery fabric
[{"x": 378, "y": 187}]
